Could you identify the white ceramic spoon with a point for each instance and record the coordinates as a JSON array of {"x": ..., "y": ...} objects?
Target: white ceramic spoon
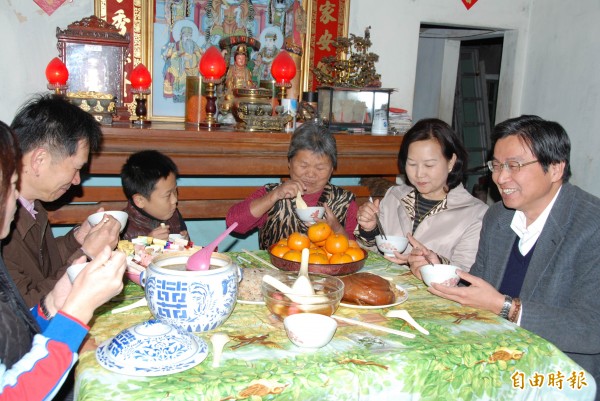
[
  {"x": 292, "y": 295},
  {"x": 300, "y": 204},
  {"x": 136, "y": 304},
  {"x": 302, "y": 285},
  {"x": 404, "y": 315},
  {"x": 218, "y": 341}
]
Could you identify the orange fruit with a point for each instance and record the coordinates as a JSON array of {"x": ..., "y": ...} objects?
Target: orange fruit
[
  {"x": 318, "y": 259},
  {"x": 298, "y": 241},
  {"x": 293, "y": 255},
  {"x": 319, "y": 232},
  {"x": 279, "y": 249},
  {"x": 339, "y": 258},
  {"x": 336, "y": 243},
  {"x": 321, "y": 243},
  {"x": 353, "y": 244},
  {"x": 316, "y": 249},
  {"x": 355, "y": 253},
  {"x": 283, "y": 241}
]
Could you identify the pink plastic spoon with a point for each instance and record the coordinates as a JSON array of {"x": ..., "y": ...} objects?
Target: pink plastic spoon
[{"x": 201, "y": 259}]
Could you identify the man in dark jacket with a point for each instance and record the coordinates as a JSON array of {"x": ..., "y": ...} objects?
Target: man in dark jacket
[
  {"x": 538, "y": 262},
  {"x": 55, "y": 138}
]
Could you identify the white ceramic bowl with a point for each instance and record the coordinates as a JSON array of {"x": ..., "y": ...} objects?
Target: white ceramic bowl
[
  {"x": 152, "y": 348},
  {"x": 310, "y": 330},
  {"x": 74, "y": 270},
  {"x": 117, "y": 214},
  {"x": 440, "y": 274},
  {"x": 391, "y": 244},
  {"x": 311, "y": 213}
]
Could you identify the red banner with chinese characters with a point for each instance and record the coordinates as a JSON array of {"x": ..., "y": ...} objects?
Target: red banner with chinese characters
[
  {"x": 126, "y": 15},
  {"x": 469, "y": 3},
  {"x": 328, "y": 21}
]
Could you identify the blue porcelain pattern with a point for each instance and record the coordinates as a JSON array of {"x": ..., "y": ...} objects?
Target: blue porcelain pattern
[
  {"x": 151, "y": 348},
  {"x": 196, "y": 301}
]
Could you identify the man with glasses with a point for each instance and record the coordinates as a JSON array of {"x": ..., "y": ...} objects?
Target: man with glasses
[{"x": 538, "y": 261}]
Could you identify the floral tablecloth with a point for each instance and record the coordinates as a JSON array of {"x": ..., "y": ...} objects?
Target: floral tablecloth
[{"x": 469, "y": 355}]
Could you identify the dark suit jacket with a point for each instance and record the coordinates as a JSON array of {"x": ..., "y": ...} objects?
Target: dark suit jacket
[{"x": 560, "y": 292}]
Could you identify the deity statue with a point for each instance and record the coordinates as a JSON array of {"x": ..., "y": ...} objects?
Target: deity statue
[
  {"x": 181, "y": 59},
  {"x": 239, "y": 75}
]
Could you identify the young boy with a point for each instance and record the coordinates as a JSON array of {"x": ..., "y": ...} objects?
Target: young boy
[{"x": 149, "y": 181}]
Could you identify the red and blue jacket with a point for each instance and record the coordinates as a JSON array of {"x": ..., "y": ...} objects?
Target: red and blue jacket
[{"x": 40, "y": 373}]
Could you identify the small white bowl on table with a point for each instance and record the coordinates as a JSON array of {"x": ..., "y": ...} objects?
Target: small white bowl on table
[
  {"x": 119, "y": 215},
  {"x": 309, "y": 214},
  {"x": 391, "y": 243},
  {"x": 310, "y": 330},
  {"x": 440, "y": 274}
]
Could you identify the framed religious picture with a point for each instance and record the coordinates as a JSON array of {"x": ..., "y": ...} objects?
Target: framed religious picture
[
  {"x": 173, "y": 35},
  {"x": 94, "y": 53}
]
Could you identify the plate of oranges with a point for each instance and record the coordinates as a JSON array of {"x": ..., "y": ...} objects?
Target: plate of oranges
[{"x": 330, "y": 253}]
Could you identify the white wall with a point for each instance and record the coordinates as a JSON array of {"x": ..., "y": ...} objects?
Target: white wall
[
  {"x": 562, "y": 77},
  {"x": 28, "y": 44}
]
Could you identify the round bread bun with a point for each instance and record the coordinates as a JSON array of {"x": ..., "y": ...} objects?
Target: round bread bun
[{"x": 367, "y": 289}]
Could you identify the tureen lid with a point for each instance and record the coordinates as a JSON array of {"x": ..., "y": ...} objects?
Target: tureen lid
[{"x": 151, "y": 348}]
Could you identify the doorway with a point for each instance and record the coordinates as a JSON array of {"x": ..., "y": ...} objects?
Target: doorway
[{"x": 458, "y": 80}]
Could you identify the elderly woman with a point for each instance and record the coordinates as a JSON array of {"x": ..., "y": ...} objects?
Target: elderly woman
[
  {"x": 312, "y": 157},
  {"x": 38, "y": 346},
  {"x": 435, "y": 207}
]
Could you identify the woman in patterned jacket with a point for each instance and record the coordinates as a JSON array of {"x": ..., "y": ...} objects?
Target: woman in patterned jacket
[{"x": 312, "y": 158}]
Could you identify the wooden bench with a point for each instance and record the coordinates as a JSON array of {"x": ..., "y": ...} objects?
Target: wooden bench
[
  {"x": 195, "y": 203},
  {"x": 215, "y": 154}
]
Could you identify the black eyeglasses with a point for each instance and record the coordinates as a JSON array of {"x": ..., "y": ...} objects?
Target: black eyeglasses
[{"x": 512, "y": 166}]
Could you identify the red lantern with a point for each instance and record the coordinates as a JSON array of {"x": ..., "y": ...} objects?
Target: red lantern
[
  {"x": 212, "y": 64},
  {"x": 57, "y": 73},
  {"x": 283, "y": 68},
  {"x": 140, "y": 78}
]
